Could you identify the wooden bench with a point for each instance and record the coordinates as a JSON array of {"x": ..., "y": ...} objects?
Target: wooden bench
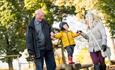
[
  {"x": 74, "y": 66},
  {"x": 111, "y": 67},
  {"x": 86, "y": 66},
  {"x": 112, "y": 61}
]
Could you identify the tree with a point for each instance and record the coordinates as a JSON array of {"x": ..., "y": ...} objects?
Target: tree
[
  {"x": 53, "y": 12},
  {"x": 108, "y": 9},
  {"x": 105, "y": 7},
  {"x": 14, "y": 18},
  {"x": 12, "y": 29}
]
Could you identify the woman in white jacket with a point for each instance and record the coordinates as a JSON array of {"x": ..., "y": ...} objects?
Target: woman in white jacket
[{"x": 97, "y": 39}]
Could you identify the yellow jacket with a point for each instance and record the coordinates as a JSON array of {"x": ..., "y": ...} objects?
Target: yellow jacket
[{"x": 67, "y": 38}]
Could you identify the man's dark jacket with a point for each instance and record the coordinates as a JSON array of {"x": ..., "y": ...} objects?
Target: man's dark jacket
[{"x": 32, "y": 44}]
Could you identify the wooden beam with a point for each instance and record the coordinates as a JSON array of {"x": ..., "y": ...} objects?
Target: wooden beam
[
  {"x": 74, "y": 66},
  {"x": 7, "y": 56}
]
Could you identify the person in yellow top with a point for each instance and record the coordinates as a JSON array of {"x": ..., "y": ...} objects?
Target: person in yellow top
[
  {"x": 67, "y": 38},
  {"x": 57, "y": 48}
]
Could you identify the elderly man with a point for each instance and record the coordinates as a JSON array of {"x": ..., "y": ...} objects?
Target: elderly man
[{"x": 39, "y": 43}]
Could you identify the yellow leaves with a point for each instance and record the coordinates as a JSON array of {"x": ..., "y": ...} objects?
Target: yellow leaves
[
  {"x": 58, "y": 60},
  {"x": 30, "y": 4},
  {"x": 84, "y": 56},
  {"x": 107, "y": 61},
  {"x": 7, "y": 17},
  {"x": 58, "y": 56},
  {"x": 63, "y": 2},
  {"x": 90, "y": 4},
  {"x": 44, "y": 8},
  {"x": 69, "y": 2},
  {"x": 80, "y": 5},
  {"x": 59, "y": 2},
  {"x": 87, "y": 4}
]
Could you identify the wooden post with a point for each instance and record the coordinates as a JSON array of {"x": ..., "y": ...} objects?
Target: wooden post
[
  {"x": 113, "y": 42},
  {"x": 76, "y": 66},
  {"x": 68, "y": 67},
  {"x": 63, "y": 56}
]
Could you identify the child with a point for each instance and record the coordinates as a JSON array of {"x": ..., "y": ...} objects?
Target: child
[
  {"x": 56, "y": 42},
  {"x": 57, "y": 48},
  {"x": 67, "y": 38}
]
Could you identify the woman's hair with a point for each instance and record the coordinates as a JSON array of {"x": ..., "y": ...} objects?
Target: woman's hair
[
  {"x": 93, "y": 15},
  {"x": 90, "y": 16},
  {"x": 62, "y": 24}
]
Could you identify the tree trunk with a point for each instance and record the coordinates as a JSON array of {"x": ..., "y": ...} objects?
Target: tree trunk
[
  {"x": 63, "y": 56},
  {"x": 9, "y": 60},
  {"x": 10, "y": 65},
  {"x": 113, "y": 44}
]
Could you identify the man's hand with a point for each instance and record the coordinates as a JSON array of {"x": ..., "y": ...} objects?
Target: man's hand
[
  {"x": 52, "y": 33},
  {"x": 79, "y": 31},
  {"x": 104, "y": 47},
  {"x": 52, "y": 36},
  {"x": 31, "y": 57}
]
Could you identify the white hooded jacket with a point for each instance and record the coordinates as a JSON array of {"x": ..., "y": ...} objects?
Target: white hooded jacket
[{"x": 96, "y": 35}]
